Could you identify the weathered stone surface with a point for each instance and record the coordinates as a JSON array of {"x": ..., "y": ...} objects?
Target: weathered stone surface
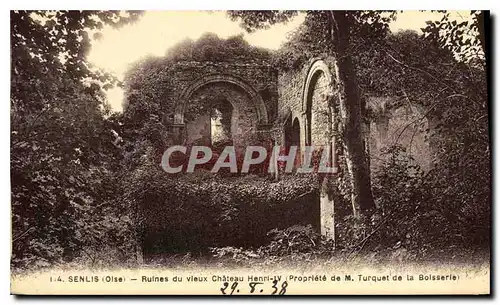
[
  {"x": 250, "y": 89},
  {"x": 244, "y": 118},
  {"x": 299, "y": 105},
  {"x": 384, "y": 130},
  {"x": 290, "y": 90},
  {"x": 304, "y": 98},
  {"x": 404, "y": 125},
  {"x": 198, "y": 131}
]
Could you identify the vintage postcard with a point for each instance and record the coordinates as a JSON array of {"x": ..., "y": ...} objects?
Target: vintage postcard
[{"x": 250, "y": 152}]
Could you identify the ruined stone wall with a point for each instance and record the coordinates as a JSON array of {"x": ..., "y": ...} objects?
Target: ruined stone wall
[
  {"x": 320, "y": 112},
  {"x": 243, "y": 119},
  {"x": 404, "y": 125},
  {"x": 389, "y": 126},
  {"x": 198, "y": 130},
  {"x": 305, "y": 96},
  {"x": 289, "y": 97},
  {"x": 251, "y": 88},
  {"x": 290, "y": 87},
  {"x": 292, "y": 104},
  {"x": 259, "y": 76}
]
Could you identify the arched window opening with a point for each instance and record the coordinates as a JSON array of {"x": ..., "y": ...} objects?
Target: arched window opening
[
  {"x": 220, "y": 125},
  {"x": 292, "y": 138},
  {"x": 295, "y": 141}
]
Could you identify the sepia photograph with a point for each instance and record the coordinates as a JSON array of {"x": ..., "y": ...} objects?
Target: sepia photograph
[{"x": 250, "y": 152}]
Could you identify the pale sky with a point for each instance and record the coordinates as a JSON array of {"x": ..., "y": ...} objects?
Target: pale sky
[{"x": 156, "y": 31}]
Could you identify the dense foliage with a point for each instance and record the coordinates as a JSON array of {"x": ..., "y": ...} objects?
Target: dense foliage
[
  {"x": 63, "y": 158},
  {"x": 311, "y": 39},
  {"x": 210, "y": 47},
  {"x": 297, "y": 243},
  {"x": 193, "y": 212},
  {"x": 85, "y": 180},
  {"x": 442, "y": 71}
]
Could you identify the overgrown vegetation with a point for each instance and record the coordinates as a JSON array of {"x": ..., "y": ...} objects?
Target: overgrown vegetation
[
  {"x": 420, "y": 215},
  {"x": 210, "y": 47},
  {"x": 193, "y": 212},
  {"x": 81, "y": 175},
  {"x": 149, "y": 83},
  {"x": 63, "y": 161}
]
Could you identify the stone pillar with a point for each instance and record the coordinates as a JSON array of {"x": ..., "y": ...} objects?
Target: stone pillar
[
  {"x": 177, "y": 132},
  {"x": 326, "y": 210},
  {"x": 304, "y": 130},
  {"x": 303, "y": 135},
  {"x": 327, "y": 204}
]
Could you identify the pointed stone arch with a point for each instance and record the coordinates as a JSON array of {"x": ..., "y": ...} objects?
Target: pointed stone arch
[{"x": 317, "y": 68}]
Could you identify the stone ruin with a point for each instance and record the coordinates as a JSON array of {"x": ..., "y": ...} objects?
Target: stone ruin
[{"x": 254, "y": 103}]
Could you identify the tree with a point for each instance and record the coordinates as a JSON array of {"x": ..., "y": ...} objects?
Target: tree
[
  {"x": 62, "y": 151},
  {"x": 466, "y": 39},
  {"x": 442, "y": 73},
  {"x": 339, "y": 26}
]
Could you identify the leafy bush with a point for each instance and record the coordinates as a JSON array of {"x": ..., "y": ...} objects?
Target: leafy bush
[
  {"x": 291, "y": 244},
  {"x": 210, "y": 47},
  {"x": 62, "y": 176},
  {"x": 403, "y": 200},
  {"x": 417, "y": 215},
  {"x": 297, "y": 239},
  {"x": 63, "y": 157},
  {"x": 234, "y": 254}
]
